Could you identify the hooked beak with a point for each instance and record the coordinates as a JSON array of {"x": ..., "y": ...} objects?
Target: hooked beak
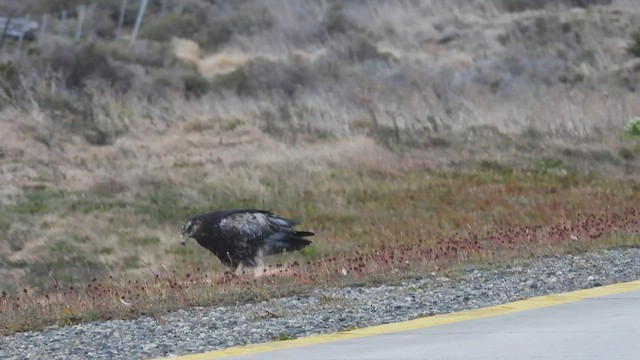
[{"x": 183, "y": 240}]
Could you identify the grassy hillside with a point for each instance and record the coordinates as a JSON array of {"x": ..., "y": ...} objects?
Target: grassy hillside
[{"x": 380, "y": 125}]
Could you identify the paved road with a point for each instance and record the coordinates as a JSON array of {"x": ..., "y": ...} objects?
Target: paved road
[{"x": 579, "y": 325}]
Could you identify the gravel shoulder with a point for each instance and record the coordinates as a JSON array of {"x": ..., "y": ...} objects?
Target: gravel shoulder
[{"x": 324, "y": 310}]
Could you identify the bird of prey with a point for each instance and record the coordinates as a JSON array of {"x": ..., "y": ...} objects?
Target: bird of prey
[{"x": 242, "y": 237}]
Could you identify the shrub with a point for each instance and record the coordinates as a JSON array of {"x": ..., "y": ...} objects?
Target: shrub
[
  {"x": 236, "y": 80},
  {"x": 626, "y": 153},
  {"x": 78, "y": 63},
  {"x": 81, "y": 64},
  {"x": 105, "y": 28},
  {"x": 265, "y": 75},
  {"x": 523, "y": 5},
  {"x": 219, "y": 31},
  {"x": 173, "y": 24},
  {"x": 9, "y": 79},
  {"x": 215, "y": 35},
  {"x": 335, "y": 21},
  {"x": 195, "y": 84},
  {"x": 113, "y": 10},
  {"x": 633, "y": 128},
  {"x": 104, "y": 19},
  {"x": 59, "y": 5},
  {"x": 58, "y": 104},
  {"x": 634, "y": 47},
  {"x": 145, "y": 53},
  {"x": 360, "y": 49}
]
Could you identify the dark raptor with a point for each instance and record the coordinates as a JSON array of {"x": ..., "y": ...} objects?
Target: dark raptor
[{"x": 242, "y": 237}]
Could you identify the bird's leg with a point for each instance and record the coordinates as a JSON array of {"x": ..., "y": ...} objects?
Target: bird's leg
[
  {"x": 258, "y": 268},
  {"x": 239, "y": 269},
  {"x": 229, "y": 272}
]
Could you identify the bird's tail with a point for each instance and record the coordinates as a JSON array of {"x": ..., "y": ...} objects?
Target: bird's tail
[{"x": 287, "y": 242}]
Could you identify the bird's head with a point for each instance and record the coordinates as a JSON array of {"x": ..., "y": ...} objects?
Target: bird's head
[{"x": 189, "y": 228}]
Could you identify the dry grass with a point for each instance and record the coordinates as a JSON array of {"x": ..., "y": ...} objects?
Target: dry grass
[
  {"x": 164, "y": 290},
  {"x": 109, "y": 210}
]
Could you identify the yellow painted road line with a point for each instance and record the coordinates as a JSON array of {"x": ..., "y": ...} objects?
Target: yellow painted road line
[{"x": 522, "y": 305}]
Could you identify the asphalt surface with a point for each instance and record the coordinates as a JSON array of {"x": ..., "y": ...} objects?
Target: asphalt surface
[{"x": 604, "y": 327}]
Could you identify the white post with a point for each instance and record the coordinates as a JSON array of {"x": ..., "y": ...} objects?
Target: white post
[
  {"x": 19, "y": 47},
  {"x": 123, "y": 8},
  {"x": 7, "y": 22},
  {"x": 81, "y": 9},
  {"x": 43, "y": 28},
  {"x": 63, "y": 20},
  {"x": 163, "y": 7},
  {"x": 136, "y": 28}
]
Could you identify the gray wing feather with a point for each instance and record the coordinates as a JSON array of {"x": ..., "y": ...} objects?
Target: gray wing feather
[{"x": 252, "y": 226}]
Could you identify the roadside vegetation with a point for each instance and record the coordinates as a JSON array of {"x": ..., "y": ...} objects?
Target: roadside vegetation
[{"x": 411, "y": 138}]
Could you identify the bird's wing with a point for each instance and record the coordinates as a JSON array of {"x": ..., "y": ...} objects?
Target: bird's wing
[{"x": 255, "y": 226}]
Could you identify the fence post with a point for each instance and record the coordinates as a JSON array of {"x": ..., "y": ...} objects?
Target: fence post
[
  {"x": 43, "y": 28},
  {"x": 123, "y": 8},
  {"x": 136, "y": 28},
  {"x": 63, "y": 20},
  {"x": 4, "y": 31},
  {"x": 19, "y": 47},
  {"x": 81, "y": 10},
  {"x": 163, "y": 7},
  {"x": 21, "y": 37}
]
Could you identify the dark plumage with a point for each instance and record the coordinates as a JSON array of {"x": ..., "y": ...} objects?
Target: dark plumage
[{"x": 241, "y": 237}]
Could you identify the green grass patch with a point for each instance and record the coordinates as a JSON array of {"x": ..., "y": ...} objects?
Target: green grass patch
[
  {"x": 283, "y": 336},
  {"x": 131, "y": 262},
  {"x": 180, "y": 251},
  {"x": 632, "y": 130},
  {"x": 310, "y": 252},
  {"x": 141, "y": 241},
  {"x": 105, "y": 251},
  {"x": 62, "y": 203}
]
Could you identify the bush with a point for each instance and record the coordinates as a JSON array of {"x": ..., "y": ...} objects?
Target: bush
[
  {"x": 634, "y": 47},
  {"x": 219, "y": 31},
  {"x": 9, "y": 80},
  {"x": 173, "y": 24},
  {"x": 81, "y": 63},
  {"x": 360, "y": 49},
  {"x": 335, "y": 21},
  {"x": 59, "y": 5},
  {"x": 215, "y": 35},
  {"x": 78, "y": 63},
  {"x": 103, "y": 17},
  {"x": 145, "y": 53},
  {"x": 195, "y": 84},
  {"x": 237, "y": 80},
  {"x": 633, "y": 128},
  {"x": 113, "y": 11},
  {"x": 523, "y": 5},
  {"x": 264, "y": 75},
  {"x": 59, "y": 104}
]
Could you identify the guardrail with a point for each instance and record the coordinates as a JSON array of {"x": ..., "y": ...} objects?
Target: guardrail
[
  {"x": 28, "y": 29},
  {"x": 19, "y": 28}
]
